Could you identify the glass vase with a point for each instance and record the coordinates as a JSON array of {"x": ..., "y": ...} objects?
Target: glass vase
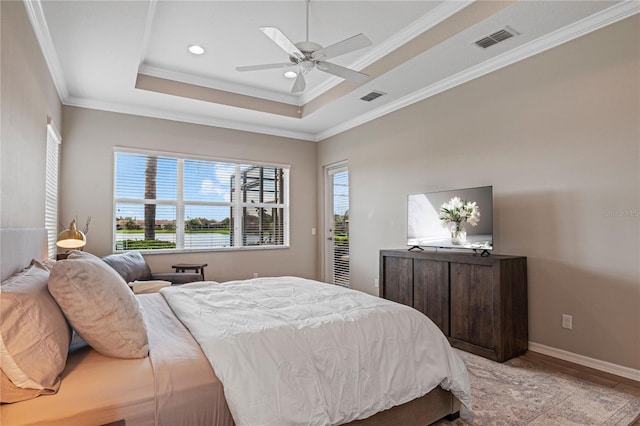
[{"x": 458, "y": 234}]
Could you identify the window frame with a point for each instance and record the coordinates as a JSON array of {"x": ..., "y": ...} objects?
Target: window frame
[{"x": 180, "y": 202}]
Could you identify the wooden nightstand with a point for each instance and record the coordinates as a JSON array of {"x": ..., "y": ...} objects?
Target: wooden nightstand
[{"x": 195, "y": 267}]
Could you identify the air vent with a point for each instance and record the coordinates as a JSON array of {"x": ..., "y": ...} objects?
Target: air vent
[
  {"x": 496, "y": 37},
  {"x": 371, "y": 96}
]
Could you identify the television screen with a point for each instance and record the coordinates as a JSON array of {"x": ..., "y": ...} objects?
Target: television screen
[{"x": 461, "y": 218}]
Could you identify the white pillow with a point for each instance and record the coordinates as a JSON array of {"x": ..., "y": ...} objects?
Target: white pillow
[
  {"x": 100, "y": 306},
  {"x": 151, "y": 286}
]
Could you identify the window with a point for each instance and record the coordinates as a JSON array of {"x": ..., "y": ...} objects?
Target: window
[
  {"x": 51, "y": 189},
  {"x": 172, "y": 202}
]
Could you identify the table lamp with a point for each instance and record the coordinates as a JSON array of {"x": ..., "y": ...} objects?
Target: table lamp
[{"x": 71, "y": 239}]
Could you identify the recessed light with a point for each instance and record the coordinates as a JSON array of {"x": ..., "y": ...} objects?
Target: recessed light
[
  {"x": 290, "y": 74},
  {"x": 196, "y": 50}
]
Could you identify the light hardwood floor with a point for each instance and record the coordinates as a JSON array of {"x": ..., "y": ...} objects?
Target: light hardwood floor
[{"x": 621, "y": 384}]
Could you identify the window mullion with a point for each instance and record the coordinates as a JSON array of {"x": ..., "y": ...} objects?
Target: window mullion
[
  {"x": 237, "y": 209},
  {"x": 180, "y": 205}
]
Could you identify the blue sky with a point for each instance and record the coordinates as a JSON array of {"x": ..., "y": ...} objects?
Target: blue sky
[
  {"x": 203, "y": 181},
  {"x": 341, "y": 193}
]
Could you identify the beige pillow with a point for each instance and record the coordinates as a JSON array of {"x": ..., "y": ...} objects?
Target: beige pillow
[
  {"x": 100, "y": 306},
  {"x": 34, "y": 336}
]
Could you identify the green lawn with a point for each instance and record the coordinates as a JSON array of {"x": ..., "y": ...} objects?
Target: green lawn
[{"x": 164, "y": 231}]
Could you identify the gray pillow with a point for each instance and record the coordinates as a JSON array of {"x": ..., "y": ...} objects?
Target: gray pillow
[
  {"x": 100, "y": 306},
  {"x": 34, "y": 336},
  {"x": 130, "y": 265}
]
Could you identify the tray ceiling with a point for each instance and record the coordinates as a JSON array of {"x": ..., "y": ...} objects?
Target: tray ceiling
[{"x": 132, "y": 57}]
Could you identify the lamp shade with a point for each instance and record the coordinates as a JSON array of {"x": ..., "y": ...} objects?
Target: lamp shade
[{"x": 71, "y": 238}]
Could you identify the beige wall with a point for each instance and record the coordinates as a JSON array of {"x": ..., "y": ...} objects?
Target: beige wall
[
  {"x": 87, "y": 185},
  {"x": 27, "y": 97},
  {"x": 557, "y": 135}
]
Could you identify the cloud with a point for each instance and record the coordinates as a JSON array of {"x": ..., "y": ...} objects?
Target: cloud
[
  {"x": 208, "y": 187},
  {"x": 224, "y": 172}
]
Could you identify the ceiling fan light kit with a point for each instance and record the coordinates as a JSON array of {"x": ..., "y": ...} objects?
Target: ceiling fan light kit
[{"x": 307, "y": 55}]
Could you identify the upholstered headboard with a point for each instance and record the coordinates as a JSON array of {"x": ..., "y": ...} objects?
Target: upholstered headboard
[{"x": 18, "y": 246}]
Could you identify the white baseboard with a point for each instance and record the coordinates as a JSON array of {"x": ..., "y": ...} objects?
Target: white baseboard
[{"x": 607, "y": 367}]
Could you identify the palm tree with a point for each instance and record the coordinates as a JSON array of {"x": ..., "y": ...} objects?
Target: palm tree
[{"x": 150, "y": 174}]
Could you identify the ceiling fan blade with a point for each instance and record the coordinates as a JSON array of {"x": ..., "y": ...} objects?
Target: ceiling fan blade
[
  {"x": 299, "y": 84},
  {"x": 340, "y": 71},
  {"x": 281, "y": 40},
  {"x": 340, "y": 48},
  {"x": 266, "y": 66}
]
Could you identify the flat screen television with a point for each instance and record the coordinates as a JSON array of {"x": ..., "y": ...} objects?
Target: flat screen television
[{"x": 433, "y": 219}]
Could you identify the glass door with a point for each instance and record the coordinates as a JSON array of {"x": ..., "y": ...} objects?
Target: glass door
[{"x": 337, "y": 228}]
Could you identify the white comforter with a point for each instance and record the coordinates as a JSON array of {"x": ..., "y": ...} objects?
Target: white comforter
[{"x": 294, "y": 351}]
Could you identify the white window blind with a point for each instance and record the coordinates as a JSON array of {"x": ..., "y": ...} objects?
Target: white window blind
[
  {"x": 340, "y": 179},
  {"x": 51, "y": 188},
  {"x": 173, "y": 202}
]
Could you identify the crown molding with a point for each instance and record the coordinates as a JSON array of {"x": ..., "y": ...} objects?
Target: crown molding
[
  {"x": 186, "y": 118},
  {"x": 41, "y": 31},
  {"x": 440, "y": 13},
  {"x": 211, "y": 83},
  {"x": 151, "y": 13},
  {"x": 570, "y": 32}
]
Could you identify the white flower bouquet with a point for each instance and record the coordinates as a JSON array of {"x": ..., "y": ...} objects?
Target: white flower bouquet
[{"x": 458, "y": 211}]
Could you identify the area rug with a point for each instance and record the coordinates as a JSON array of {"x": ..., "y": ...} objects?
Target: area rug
[{"x": 518, "y": 393}]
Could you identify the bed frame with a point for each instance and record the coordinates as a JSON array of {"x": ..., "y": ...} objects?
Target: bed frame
[
  {"x": 436, "y": 405},
  {"x": 20, "y": 246}
]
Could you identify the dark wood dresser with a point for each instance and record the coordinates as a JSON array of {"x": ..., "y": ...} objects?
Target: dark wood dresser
[{"x": 479, "y": 303}]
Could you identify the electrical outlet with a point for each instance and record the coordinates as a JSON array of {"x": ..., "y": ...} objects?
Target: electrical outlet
[
  {"x": 255, "y": 275},
  {"x": 376, "y": 283},
  {"x": 567, "y": 321},
  {"x": 313, "y": 231}
]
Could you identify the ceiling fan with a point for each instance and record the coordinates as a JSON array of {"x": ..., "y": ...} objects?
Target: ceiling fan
[{"x": 307, "y": 55}]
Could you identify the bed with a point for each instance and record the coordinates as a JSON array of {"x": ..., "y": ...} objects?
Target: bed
[{"x": 175, "y": 384}]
